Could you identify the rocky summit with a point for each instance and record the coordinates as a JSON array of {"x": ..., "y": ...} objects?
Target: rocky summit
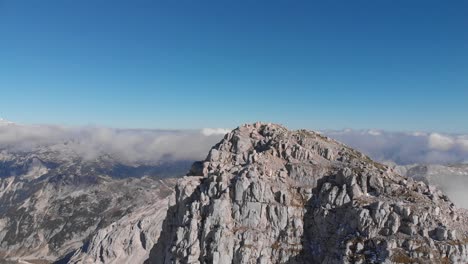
[{"x": 265, "y": 194}]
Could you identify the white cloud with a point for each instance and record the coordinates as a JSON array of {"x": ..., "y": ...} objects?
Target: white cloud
[
  {"x": 127, "y": 145},
  {"x": 406, "y": 147},
  {"x": 373, "y": 132},
  {"x": 418, "y": 134},
  {"x": 5, "y": 122},
  {"x": 462, "y": 141},
  {"x": 157, "y": 145},
  {"x": 440, "y": 142},
  {"x": 215, "y": 131}
]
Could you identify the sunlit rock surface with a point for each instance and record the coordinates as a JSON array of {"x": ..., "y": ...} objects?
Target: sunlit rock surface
[
  {"x": 54, "y": 206},
  {"x": 266, "y": 194}
]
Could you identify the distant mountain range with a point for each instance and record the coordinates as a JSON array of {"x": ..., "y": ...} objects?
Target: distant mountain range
[
  {"x": 52, "y": 205},
  {"x": 60, "y": 206},
  {"x": 452, "y": 179}
]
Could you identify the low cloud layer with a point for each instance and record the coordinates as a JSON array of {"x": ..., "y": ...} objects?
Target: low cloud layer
[
  {"x": 127, "y": 145},
  {"x": 406, "y": 148},
  {"x": 156, "y": 145},
  {"x": 215, "y": 131}
]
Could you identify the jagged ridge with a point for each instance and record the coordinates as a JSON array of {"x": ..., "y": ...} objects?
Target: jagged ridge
[{"x": 268, "y": 195}]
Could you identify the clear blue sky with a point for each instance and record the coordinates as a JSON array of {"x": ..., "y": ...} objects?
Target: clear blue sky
[{"x": 390, "y": 64}]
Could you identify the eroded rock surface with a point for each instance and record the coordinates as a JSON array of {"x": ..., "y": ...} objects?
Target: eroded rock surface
[
  {"x": 52, "y": 205},
  {"x": 127, "y": 240},
  {"x": 266, "y": 194}
]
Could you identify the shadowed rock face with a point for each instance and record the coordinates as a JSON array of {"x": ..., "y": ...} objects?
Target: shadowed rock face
[{"x": 266, "y": 194}]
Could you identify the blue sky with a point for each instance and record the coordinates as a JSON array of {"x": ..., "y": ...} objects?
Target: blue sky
[{"x": 394, "y": 65}]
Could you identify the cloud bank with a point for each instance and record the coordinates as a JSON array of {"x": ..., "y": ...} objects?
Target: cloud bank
[
  {"x": 141, "y": 146},
  {"x": 215, "y": 131},
  {"x": 406, "y": 148},
  {"x": 149, "y": 146}
]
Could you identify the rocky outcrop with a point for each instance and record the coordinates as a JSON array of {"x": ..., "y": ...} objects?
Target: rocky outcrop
[{"x": 265, "y": 194}]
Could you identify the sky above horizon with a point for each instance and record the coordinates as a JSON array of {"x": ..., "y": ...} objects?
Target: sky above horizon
[{"x": 393, "y": 65}]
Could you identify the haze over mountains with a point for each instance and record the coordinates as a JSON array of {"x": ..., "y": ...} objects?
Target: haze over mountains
[
  {"x": 100, "y": 195},
  {"x": 145, "y": 145},
  {"x": 127, "y": 145},
  {"x": 407, "y": 147},
  {"x": 59, "y": 186},
  {"x": 134, "y": 136}
]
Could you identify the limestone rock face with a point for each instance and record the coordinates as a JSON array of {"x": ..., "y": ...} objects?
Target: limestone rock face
[
  {"x": 127, "y": 240},
  {"x": 265, "y": 194}
]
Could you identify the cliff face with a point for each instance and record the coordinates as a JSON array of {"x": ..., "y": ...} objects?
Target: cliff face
[{"x": 268, "y": 195}]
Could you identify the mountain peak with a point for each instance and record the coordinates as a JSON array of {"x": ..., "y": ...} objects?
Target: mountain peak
[
  {"x": 270, "y": 143},
  {"x": 270, "y": 195}
]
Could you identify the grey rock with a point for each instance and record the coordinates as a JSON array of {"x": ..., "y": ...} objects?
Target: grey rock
[
  {"x": 441, "y": 233},
  {"x": 300, "y": 197},
  {"x": 53, "y": 203}
]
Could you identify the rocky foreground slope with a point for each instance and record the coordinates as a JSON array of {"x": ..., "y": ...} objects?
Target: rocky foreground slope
[{"x": 268, "y": 195}]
